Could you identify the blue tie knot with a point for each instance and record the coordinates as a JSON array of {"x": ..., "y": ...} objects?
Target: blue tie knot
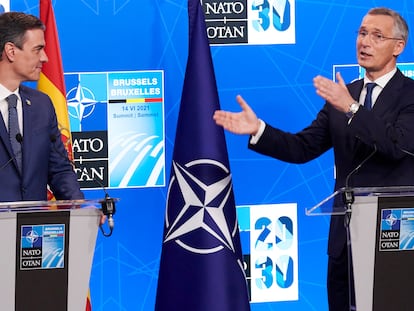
[
  {"x": 12, "y": 100},
  {"x": 368, "y": 98}
]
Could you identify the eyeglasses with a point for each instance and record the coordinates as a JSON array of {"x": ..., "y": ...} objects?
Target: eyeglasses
[{"x": 375, "y": 36}]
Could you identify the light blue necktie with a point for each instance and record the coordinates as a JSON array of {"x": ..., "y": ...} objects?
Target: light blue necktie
[
  {"x": 14, "y": 130},
  {"x": 368, "y": 98}
]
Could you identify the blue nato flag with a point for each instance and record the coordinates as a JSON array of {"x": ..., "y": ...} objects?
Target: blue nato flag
[{"x": 201, "y": 266}]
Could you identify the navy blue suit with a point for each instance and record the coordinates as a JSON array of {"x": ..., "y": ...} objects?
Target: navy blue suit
[
  {"x": 388, "y": 127},
  {"x": 44, "y": 156}
]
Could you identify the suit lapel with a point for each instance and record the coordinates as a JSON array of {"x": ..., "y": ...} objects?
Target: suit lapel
[
  {"x": 355, "y": 89},
  {"x": 385, "y": 100},
  {"x": 388, "y": 95}
]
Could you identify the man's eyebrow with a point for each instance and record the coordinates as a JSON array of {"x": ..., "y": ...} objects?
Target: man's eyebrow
[
  {"x": 39, "y": 46},
  {"x": 375, "y": 29}
]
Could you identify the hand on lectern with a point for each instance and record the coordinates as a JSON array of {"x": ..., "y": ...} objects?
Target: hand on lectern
[{"x": 102, "y": 220}]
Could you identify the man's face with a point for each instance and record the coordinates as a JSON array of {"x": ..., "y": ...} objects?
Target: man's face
[
  {"x": 377, "y": 46},
  {"x": 29, "y": 60}
]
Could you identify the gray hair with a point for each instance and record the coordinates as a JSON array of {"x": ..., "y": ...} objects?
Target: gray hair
[{"x": 400, "y": 25}]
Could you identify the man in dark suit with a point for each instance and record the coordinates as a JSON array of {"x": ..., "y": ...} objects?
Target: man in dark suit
[
  {"x": 380, "y": 135},
  {"x": 40, "y": 159}
]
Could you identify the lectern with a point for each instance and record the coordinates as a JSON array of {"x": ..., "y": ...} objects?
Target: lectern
[
  {"x": 381, "y": 227},
  {"x": 47, "y": 251}
]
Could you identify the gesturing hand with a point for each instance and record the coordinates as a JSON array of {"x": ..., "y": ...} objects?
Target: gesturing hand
[
  {"x": 336, "y": 94},
  {"x": 243, "y": 122}
]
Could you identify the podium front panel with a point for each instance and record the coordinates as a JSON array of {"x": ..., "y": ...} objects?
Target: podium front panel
[
  {"x": 42, "y": 250},
  {"x": 382, "y": 242},
  {"x": 80, "y": 232},
  {"x": 394, "y": 254}
]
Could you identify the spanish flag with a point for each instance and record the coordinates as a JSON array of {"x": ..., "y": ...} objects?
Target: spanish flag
[
  {"x": 52, "y": 82},
  {"x": 51, "y": 79}
]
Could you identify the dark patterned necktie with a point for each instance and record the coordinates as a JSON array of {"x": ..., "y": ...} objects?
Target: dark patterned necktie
[
  {"x": 368, "y": 98},
  {"x": 14, "y": 130}
]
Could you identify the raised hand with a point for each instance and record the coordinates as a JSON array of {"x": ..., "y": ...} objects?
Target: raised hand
[
  {"x": 243, "y": 122},
  {"x": 336, "y": 93}
]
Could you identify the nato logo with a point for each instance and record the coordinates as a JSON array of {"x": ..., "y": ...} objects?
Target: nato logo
[
  {"x": 31, "y": 236},
  {"x": 87, "y": 101},
  {"x": 200, "y": 224},
  {"x": 31, "y": 247},
  {"x": 390, "y": 219},
  {"x": 81, "y": 103}
]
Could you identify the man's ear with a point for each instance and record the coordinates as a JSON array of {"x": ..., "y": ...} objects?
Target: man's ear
[
  {"x": 9, "y": 50},
  {"x": 399, "y": 47}
]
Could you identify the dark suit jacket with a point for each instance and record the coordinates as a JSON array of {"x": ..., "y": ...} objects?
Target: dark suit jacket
[
  {"x": 388, "y": 127},
  {"x": 44, "y": 157}
]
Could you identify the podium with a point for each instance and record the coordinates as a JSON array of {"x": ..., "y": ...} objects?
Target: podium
[
  {"x": 381, "y": 231},
  {"x": 47, "y": 251}
]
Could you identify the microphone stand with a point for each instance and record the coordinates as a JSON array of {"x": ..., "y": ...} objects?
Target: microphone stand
[{"x": 348, "y": 199}]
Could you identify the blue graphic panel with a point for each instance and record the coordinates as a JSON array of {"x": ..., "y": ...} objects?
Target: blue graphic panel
[
  {"x": 269, "y": 245},
  {"x": 42, "y": 247},
  {"x": 118, "y": 118},
  {"x": 407, "y": 229}
]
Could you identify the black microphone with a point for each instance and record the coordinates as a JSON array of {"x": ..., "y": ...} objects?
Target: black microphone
[
  {"x": 107, "y": 204},
  {"x": 19, "y": 138},
  {"x": 348, "y": 195},
  {"x": 108, "y": 209}
]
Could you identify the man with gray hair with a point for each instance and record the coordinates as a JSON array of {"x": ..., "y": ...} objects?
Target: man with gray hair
[{"x": 369, "y": 121}]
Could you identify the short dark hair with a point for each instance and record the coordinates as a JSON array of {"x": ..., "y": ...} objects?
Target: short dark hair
[{"x": 13, "y": 27}]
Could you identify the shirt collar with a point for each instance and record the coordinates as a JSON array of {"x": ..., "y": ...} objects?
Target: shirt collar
[
  {"x": 4, "y": 92},
  {"x": 383, "y": 80}
]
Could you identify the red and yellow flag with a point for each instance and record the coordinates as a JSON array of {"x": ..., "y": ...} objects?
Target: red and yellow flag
[
  {"x": 52, "y": 82},
  {"x": 51, "y": 79}
]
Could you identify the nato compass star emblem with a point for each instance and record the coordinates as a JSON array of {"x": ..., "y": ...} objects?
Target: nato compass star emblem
[
  {"x": 32, "y": 236},
  {"x": 391, "y": 219},
  {"x": 81, "y": 102},
  {"x": 199, "y": 217}
]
